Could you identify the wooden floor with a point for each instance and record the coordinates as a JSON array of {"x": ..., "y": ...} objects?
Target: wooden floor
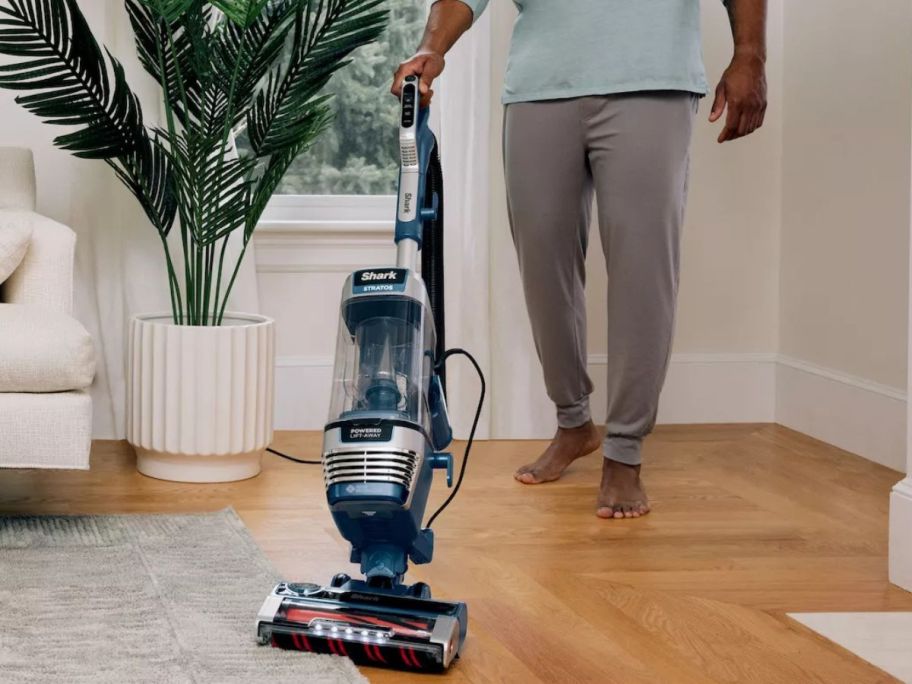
[{"x": 748, "y": 523}]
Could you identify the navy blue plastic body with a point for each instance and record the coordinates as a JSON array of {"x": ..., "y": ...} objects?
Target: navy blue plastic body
[{"x": 384, "y": 539}]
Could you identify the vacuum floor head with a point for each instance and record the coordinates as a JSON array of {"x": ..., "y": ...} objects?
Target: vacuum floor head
[{"x": 375, "y": 629}]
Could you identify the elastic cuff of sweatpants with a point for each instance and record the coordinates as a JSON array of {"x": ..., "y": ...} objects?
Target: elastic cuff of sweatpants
[
  {"x": 626, "y": 450},
  {"x": 574, "y": 415}
]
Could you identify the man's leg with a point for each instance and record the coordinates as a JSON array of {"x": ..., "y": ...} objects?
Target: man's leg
[
  {"x": 549, "y": 194},
  {"x": 639, "y": 151}
]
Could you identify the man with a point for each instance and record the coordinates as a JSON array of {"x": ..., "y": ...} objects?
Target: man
[{"x": 600, "y": 98}]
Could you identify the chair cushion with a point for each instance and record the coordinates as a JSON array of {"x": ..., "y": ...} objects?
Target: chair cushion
[
  {"x": 43, "y": 351},
  {"x": 14, "y": 242}
]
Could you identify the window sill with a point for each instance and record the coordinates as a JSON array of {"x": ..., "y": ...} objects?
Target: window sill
[{"x": 322, "y": 208}]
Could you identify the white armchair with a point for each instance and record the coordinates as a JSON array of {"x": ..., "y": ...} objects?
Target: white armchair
[{"x": 47, "y": 359}]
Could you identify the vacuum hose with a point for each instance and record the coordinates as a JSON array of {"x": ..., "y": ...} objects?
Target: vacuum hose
[{"x": 432, "y": 257}]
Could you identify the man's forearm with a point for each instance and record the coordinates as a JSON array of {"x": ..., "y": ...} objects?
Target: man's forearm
[
  {"x": 742, "y": 89},
  {"x": 748, "y": 22},
  {"x": 447, "y": 21}
]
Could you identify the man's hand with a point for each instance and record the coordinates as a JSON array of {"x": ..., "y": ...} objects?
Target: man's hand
[
  {"x": 447, "y": 20},
  {"x": 426, "y": 64},
  {"x": 743, "y": 90}
]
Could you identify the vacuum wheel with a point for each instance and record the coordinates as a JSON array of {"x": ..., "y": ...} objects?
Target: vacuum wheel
[
  {"x": 339, "y": 579},
  {"x": 420, "y": 590}
]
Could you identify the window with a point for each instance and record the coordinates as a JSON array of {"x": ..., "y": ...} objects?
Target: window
[{"x": 357, "y": 154}]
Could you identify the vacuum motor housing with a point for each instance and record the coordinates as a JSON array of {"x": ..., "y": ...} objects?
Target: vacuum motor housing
[{"x": 387, "y": 422}]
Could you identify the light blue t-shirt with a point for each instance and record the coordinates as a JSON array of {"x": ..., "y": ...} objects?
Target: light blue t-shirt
[{"x": 572, "y": 48}]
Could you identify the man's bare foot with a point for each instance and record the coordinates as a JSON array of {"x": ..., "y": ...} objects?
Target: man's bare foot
[
  {"x": 568, "y": 445},
  {"x": 621, "y": 494}
]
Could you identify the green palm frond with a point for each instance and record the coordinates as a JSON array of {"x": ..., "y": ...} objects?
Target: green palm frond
[
  {"x": 60, "y": 60},
  {"x": 256, "y": 47},
  {"x": 169, "y": 10},
  {"x": 241, "y": 57},
  {"x": 319, "y": 119},
  {"x": 169, "y": 52},
  {"x": 220, "y": 64},
  {"x": 147, "y": 174},
  {"x": 326, "y": 32},
  {"x": 241, "y": 12},
  {"x": 213, "y": 187}
]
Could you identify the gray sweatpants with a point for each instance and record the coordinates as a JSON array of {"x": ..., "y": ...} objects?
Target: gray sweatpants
[{"x": 632, "y": 150}]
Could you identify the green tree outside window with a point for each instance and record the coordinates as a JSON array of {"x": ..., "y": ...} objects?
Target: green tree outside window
[{"x": 358, "y": 154}]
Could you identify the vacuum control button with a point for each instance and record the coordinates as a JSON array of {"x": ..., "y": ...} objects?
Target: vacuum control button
[{"x": 409, "y": 93}]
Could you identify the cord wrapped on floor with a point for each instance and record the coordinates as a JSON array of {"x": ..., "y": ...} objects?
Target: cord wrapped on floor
[{"x": 292, "y": 458}]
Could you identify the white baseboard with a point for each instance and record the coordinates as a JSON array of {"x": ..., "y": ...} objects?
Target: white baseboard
[
  {"x": 901, "y": 534},
  {"x": 707, "y": 388},
  {"x": 719, "y": 388},
  {"x": 701, "y": 388},
  {"x": 852, "y": 413}
]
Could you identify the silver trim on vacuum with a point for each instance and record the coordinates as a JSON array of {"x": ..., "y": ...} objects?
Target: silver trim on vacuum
[
  {"x": 370, "y": 465},
  {"x": 398, "y": 460}
]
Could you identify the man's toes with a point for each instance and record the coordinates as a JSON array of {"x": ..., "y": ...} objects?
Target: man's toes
[
  {"x": 605, "y": 512},
  {"x": 526, "y": 477},
  {"x": 618, "y": 513}
]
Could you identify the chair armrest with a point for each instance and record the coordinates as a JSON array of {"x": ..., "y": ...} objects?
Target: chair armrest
[{"x": 45, "y": 276}]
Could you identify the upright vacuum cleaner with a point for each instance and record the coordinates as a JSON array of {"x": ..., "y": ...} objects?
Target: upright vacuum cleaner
[{"x": 386, "y": 434}]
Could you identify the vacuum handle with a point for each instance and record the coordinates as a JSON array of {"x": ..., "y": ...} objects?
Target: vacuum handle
[
  {"x": 409, "y": 154},
  {"x": 415, "y": 143}
]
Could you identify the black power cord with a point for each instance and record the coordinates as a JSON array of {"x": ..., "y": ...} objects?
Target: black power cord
[
  {"x": 465, "y": 456},
  {"x": 292, "y": 458}
]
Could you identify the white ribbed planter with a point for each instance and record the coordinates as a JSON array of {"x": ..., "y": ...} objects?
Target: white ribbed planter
[{"x": 200, "y": 399}]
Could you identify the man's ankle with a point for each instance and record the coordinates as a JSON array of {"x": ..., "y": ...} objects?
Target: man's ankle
[{"x": 586, "y": 427}]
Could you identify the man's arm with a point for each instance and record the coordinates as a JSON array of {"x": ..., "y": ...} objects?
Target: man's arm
[
  {"x": 743, "y": 85},
  {"x": 448, "y": 20}
]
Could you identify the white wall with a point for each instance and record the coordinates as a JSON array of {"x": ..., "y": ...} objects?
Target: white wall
[
  {"x": 845, "y": 224},
  {"x": 845, "y": 179},
  {"x": 900, "y": 541}
]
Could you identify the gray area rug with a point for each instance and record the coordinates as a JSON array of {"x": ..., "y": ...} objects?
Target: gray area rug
[{"x": 141, "y": 598}]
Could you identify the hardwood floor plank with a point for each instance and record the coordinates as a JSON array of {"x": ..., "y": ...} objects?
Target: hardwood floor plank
[{"x": 750, "y": 522}]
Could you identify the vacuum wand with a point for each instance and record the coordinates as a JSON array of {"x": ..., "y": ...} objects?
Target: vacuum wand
[{"x": 419, "y": 214}]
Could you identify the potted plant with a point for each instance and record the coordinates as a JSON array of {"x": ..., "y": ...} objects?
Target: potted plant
[{"x": 200, "y": 379}]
